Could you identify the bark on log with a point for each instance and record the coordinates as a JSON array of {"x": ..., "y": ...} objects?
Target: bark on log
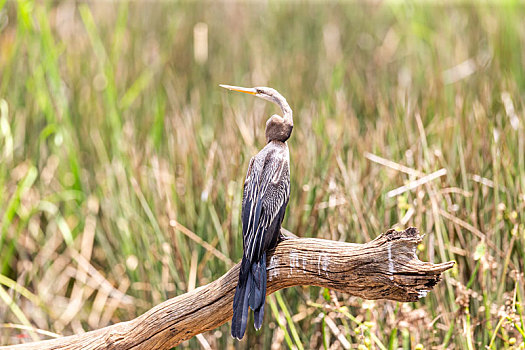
[{"x": 385, "y": 268}]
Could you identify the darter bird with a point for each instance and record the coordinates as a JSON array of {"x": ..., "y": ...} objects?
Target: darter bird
[{"x": 265, "y": 197}]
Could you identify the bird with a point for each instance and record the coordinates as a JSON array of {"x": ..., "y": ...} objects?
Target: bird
[{"x": 265, "y": 198}]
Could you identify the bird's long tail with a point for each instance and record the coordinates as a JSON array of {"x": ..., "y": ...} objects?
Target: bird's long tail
[{"x": 250, "y": 292}]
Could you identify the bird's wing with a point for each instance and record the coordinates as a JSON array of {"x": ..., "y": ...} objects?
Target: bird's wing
[
  {"x": 266, "y": 193},
  {"x": 250, "y": 196}
]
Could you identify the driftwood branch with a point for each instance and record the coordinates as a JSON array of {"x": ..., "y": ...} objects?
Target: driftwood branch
[{"x": 385, "y": 268}]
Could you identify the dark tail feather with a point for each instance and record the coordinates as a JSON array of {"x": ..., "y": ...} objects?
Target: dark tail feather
[
  {"x": 258, "y": 271},
  {"x": 241, "y": 300},
  {"x": 260, "y": 292},
  {"x": 258, "y": 316},
  {"x": 250, "y": 293}
]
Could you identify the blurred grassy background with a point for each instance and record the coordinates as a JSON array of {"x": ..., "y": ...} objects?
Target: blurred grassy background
[{"x": 113, "y": 129}]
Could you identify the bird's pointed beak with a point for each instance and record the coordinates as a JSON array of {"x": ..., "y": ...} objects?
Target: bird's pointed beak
[{"x": 250, "y": 91}]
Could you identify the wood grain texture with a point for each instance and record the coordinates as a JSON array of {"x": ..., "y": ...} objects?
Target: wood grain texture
[{"x": 385, "y": 268}]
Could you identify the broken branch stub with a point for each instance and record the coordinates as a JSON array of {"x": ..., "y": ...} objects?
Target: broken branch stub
[{"x": 385, "y": 268}]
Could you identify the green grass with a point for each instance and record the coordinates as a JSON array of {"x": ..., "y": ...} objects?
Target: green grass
[{"x": 110, "y": 128}]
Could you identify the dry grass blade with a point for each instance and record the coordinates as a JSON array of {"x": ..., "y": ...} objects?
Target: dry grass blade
[
  {"x": 337, "y": 332},
  {"x": 416, "y": 183},
  {"x": 393, "y": 165},
  {"x": 200, "y": 241},
  {"x": 15, "y": 309},
  {"x": 32, "y": 329},
  {"x": 99, "y": 278}
]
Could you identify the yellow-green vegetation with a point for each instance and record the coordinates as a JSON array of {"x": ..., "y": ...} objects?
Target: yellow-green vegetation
[{"x": 114, "y": 132}]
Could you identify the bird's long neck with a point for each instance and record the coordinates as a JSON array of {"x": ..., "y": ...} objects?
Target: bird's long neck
[
  {"x": 285, "y": 108},
  {"x": 279, "y": 128}
]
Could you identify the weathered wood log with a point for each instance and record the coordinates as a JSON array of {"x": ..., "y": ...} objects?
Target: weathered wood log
[{"x": 385, "y": 268}]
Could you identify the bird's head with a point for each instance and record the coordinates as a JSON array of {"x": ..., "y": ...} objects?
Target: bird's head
[
  {"x": 277, "y": 127},
  {"x": 263, "y": 92}
]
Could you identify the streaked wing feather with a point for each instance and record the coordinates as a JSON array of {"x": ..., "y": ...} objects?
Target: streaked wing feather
[
  {"x": 266, "y": 191},
  {"x": 251, "y": 186}
]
